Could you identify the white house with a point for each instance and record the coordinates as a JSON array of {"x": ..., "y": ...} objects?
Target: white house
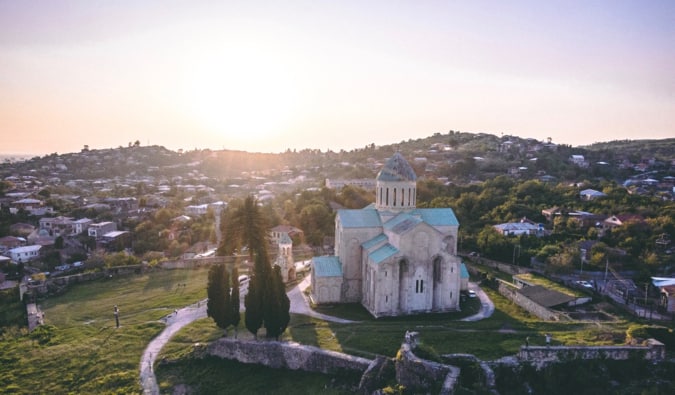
[
  {"x": 390, "y": 256},
  {"x": 25, "y": 254},
  {"x": 518, "y": 229}
]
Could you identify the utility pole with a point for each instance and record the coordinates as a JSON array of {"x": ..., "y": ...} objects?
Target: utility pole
[
  {"x": 646, "y": 288},
  {"x": 516, "y": 247}
]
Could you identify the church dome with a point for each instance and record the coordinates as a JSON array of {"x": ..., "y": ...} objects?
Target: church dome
[{"x": 397, "y": 169}]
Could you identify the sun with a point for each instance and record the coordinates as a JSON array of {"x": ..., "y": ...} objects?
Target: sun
[{"x": 241, "y": 96}]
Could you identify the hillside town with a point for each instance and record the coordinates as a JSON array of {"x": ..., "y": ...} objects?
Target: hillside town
[{"x": 567, "y": 235}]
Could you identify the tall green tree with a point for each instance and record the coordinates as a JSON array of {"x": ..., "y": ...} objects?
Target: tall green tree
[
  {"x": 257, "y": 290},
  {"x": 277, "y": 308},
  {"x": 266, "y": 299},
  {"x": 244, "y": 225},
  {"x": 234, "y": 316},
  {"x": 218, "y": 292}
]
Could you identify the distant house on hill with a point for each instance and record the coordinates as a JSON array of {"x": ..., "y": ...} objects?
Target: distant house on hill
[
  {"x": 99, "y": 229},
  {"x": 620, "y": 220},
  {"x": 591, "y": 194},
  {"x": 578, "y": 160},
  {"x": 337, "y": 184},
  {"x": 524, "y": 227},
  {"x": 278, "y": 232},
  {"x": 25, "y": 254},
  {"x": 9, "y": 242}
]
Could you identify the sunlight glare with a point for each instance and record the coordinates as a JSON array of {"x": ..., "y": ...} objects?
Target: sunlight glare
[{"x": 242, "y": 96}]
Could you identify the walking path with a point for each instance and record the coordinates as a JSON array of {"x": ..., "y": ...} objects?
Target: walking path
[
  {"x": 299, "y": 305},
  {"x": 174, "y": 322}
]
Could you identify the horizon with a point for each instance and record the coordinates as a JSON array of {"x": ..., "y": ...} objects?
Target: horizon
[
  {"x": 262, "y": 77},
  {"x": 28, "y": 156}
]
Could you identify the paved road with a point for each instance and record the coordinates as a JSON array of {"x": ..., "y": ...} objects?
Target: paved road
[{"x": 486, "y": 305}]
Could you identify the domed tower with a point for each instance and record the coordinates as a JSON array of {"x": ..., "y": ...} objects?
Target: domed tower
[{"x": 396, "y": 185}]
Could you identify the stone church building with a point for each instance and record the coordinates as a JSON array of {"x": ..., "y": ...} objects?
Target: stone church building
[{"x": 390, "y": 256}]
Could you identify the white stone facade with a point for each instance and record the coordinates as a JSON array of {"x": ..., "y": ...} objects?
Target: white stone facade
[{"x": 391, "y": 257}]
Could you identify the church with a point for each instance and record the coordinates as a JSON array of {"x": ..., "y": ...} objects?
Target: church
[{"x": 390, "y": 256}]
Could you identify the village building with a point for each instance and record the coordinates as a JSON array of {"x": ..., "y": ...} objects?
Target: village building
[{"x": 390, "y": 256}]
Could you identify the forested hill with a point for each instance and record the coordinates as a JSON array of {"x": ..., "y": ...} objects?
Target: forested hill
[
  {"x": 664, "y": 148},
  {"x": 458, "y": 156}
]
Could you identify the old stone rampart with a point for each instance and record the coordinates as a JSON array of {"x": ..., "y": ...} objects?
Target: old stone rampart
[
  {"x": 58, "y": 285},
  {"x": 414, "y": 373},
  {"x": 195, "y": 263},
  {"x": 654, "y": 351},
  {"x": 510, "y": 292},
  {"x": 419, "y": 375},
  {"x": 287, "y": 355}
]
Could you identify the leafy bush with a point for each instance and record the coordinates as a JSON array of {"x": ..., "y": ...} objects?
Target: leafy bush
[{"x": 638, "y": 333}]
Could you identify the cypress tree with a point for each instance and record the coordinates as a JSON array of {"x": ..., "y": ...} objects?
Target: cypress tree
[
  {"x": 235, "y": 317},
  {"x": 218, "y": 293},
  {"x": 254, "y": 308},
  {"x": 277, "y": 306}
]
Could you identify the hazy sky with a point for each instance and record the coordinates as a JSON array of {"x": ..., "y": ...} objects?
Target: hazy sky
[{"x": 267, "y": 76}]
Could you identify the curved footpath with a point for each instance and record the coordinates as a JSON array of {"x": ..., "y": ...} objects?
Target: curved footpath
[{"x": 299, "y": 305}]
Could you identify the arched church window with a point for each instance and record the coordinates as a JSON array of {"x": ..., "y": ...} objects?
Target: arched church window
[{"x": 394, "y": 197}]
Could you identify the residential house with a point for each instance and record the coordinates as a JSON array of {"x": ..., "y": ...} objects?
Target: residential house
[
  {"x": 337, "y": 184},
  {"x": 550, "y": 213},
  {"x": 194, "y": 210},
  {"x": 666, "y": 286},
  {"x": 25, "y": 253},
  {"x": 578, "y": 160},
  {"x": 57, "y": 226},
  {"x": 586, "y": 219},
  {"x": 81, "y": 225},
  {"x": 33, "y": 206},
  {"x": 116, "y": 240},
  {"x": 279, "y": 231},
  {"x": 591, "y": 194},
  {"x": 619, "y": 220},
  {"x": 524, "y": 227},
  {"x": 9, "y": 242},
  {"x": 99, "y": 229}
]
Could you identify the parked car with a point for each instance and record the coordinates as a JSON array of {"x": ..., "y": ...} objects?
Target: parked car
[
  {"x": 472, "y": 293},
  {"x": 243, "y": 279},
  {"x": 585, "y": 284}
]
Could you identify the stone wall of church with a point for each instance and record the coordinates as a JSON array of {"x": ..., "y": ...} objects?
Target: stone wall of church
[
  {"x": 326, "y": 290},
  {"x": 349, "y": 251}
]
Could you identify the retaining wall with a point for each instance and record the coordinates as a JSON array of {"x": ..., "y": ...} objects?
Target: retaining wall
[{"x": 509, "y": 291}]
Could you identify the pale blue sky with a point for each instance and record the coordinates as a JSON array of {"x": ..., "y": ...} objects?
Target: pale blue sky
[{"x": 267, "y": 76}]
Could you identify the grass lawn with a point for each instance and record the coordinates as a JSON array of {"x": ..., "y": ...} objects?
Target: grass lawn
[{"x": 79, "y": 350}]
